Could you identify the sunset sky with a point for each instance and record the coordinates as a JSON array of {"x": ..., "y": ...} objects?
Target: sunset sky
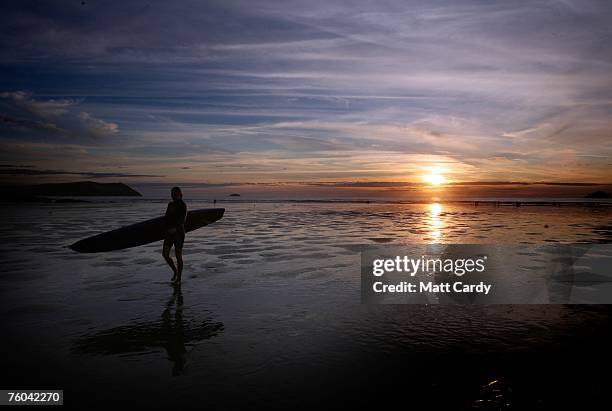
[{"x": 361, "y": 94}]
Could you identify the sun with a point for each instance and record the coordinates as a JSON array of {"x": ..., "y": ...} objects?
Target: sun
[{"x": 434, "y": 179}]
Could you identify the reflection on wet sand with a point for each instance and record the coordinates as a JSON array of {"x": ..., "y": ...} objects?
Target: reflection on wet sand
[
  {"x": 283, "y": 278},
  {"x": 173, "y": 333},
  {"x": 434, "y": 222},
  {"x": 605, "y": 232}
]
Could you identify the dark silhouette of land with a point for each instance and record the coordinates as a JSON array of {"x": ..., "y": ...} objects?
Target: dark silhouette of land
[{"x": 598, "y": 194}]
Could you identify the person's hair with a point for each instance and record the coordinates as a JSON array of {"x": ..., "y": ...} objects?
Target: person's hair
[{"x": 176, "y": 190}]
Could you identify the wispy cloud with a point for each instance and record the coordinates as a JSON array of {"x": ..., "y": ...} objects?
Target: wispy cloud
[{"x": 236, "y": 90}]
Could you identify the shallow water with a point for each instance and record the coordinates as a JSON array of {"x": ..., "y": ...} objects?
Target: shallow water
[{"x": 270, "y": 306}]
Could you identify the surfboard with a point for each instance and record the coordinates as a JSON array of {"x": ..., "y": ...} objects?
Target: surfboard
[{"x": 144, "y": 232}]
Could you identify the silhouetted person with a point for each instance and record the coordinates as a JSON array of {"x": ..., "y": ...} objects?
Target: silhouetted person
[{"x": 176, "y": 213}]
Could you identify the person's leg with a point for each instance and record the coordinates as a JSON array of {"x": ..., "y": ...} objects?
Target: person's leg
[
  {"x": 179, "y": 263},
  {"x": 166, "y": 254}
]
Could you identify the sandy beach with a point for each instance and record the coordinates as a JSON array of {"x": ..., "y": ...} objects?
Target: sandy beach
[{"x": 271, "y": 303}]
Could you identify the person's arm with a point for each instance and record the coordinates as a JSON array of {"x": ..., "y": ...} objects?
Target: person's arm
[
  {"x": 168, "y": 217},
  {"x": 184, "y": 216}
]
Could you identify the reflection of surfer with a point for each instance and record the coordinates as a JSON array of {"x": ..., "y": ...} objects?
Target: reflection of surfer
[
  {"x": 174, "y": 330},
  {"x": 176, "y": 213}
]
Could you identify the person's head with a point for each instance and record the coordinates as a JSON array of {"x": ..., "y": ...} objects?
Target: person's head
[{"x": 176, "y": 193}]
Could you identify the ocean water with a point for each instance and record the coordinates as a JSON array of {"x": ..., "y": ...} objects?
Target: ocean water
[{"x": 269, "y": 312}]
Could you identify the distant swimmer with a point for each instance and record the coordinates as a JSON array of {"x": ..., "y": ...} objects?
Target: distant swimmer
[{"x": 176, "y": 214}]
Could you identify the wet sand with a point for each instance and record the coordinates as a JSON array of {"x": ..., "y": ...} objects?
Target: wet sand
[{"x": 270, "y": 313}]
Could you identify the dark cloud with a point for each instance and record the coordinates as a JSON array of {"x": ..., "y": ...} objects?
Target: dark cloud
[
  {"x": 26, "y": 115},
  {"x": 27, "y": 125},
  {"x": 23, "y": 171},
  {"x": 520, "y": 183},
  {"x": 389, "y": 184}
]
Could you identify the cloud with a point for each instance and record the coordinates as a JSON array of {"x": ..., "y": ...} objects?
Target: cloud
[
  {"x": 357, "y": 88},
  {"x": 28, "y": 116},
  {"x": 95, "y": 126},
  {"x": 28, "y": 124},
  {"x": 43, "y": 109},
  {"x": 28, "y": 171},
  {"x": 377, "y": 184}
]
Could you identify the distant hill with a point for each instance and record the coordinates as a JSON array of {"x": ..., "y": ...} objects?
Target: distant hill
[
  {"x": 598, "y": 194},
  {"x": 81, "y": 188}
]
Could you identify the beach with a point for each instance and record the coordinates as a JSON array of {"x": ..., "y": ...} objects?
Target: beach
[{"x": 270, "y": 304}]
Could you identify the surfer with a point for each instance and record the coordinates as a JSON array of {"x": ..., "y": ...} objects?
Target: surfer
[{"x": 176, "y": 213}]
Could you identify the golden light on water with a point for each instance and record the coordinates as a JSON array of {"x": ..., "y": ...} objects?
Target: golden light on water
[
  {"x": 435, "y": 223},
  {"x": 435, "y": 209}
]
